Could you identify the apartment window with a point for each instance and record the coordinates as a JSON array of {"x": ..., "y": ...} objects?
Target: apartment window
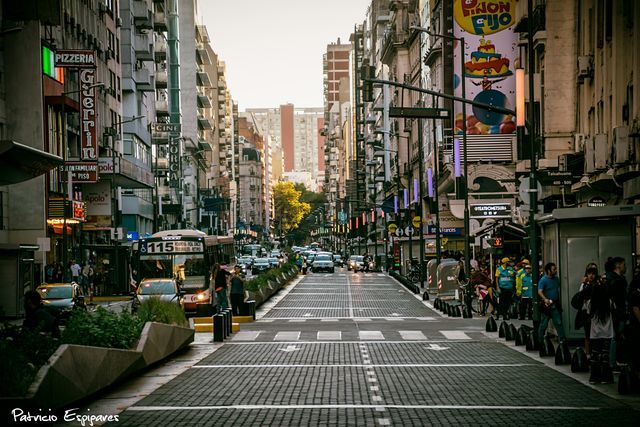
[{"x": 112, "y": 84}]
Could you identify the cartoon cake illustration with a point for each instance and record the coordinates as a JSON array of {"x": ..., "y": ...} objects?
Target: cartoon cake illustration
[{"x": 485, "y": 62}]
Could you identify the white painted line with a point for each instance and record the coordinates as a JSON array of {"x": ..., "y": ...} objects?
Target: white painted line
[
  {"x": 329, "y": 320},
  {"x": 449, "y": 342},
  {"x": 380, "y": 408},
  {"x": 374, "y": 388},
  {"x": 391, "y": 319},
  {"x": 376, "y": 398},
  {"x": 372, "y": 380},
  {"x": 370, "y": 335},
  {"x": 287, "y": 336},
  {"x": 380, "y": 275},
  {"x": 246, "y": 335},
  {"x": 376, "y": 407},
  {"x": 428, "y": 319},
  {"x": 265, "y": 320},
  {"x": 297, "y": 320},
  {"x": 455, "y": 335},
  {"x": 330, "y": 335},
  {"x": 412, "y": 335},
  {"x": 364, "y": 319},
  {"x": 371, "y": 366},
  {"x": 350, "y": 297},
  {"x": 384, "y": 421}
]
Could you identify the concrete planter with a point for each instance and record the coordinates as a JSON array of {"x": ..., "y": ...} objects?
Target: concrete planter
[{"x": 74, "y": 371}]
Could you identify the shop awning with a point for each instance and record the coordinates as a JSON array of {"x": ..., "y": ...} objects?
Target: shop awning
[
  {"x": 20, "y": 163},
  {"x": 509, "y": 227}
]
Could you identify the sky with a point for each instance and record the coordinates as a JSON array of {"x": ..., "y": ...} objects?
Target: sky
[{"x": 273, "y": 48}]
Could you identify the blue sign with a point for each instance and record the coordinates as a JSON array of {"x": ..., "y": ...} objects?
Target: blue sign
[
  {"x": 448, "y": 231},
  {"x": 133, "y": 235}
]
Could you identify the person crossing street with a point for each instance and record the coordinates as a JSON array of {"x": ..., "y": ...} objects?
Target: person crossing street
[{"x": 505, "y": 276}]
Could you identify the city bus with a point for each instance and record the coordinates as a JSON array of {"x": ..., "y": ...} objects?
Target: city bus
[
  {"x": 185, "y": 255},
  {"x": 252, "y": 250}
]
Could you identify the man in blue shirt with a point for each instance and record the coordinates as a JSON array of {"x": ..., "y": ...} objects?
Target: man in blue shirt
[{"x": 549, "y": 292}]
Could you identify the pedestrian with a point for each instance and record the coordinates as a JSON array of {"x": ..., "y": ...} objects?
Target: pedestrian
[
  {"x": 304, "y": 265},
  {"x": 580, "y": 302},
  {"x": 299, "y": 261},
  {"x": 237, "y": 291},
  {"x": 617, "y": 286},
  {"x": 601, "y": 333},
  {"x": 220, "y": 275},
  {"x": 481, "y": 283},
  {"x": 550, "y": 307},
  {"x": 57, "y": 277},
  {"x": 49, "y": 272},
  {"x": 526, "y": 293},
  {"x": 505, "y": 277},
  {"x": 632, "y": 330},
  {"x": 37, "y": 318},
  {"x": 75, "y": 271}
]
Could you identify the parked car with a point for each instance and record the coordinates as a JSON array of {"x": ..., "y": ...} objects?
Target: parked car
[
  {"x": 260, "y": 265},
  {"x": 338, "y": 261},
  {"x": 323, "y": 263},
  {"x": 163, "y": 289},
  {"x": 356, "y": 263},
  {"x": 62, "y": 298}
]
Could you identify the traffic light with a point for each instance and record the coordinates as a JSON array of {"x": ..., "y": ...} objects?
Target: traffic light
[{"x": 495, "y": 242}]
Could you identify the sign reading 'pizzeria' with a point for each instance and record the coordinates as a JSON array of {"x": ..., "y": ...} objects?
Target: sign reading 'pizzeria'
[{"x": 490, "y": 210}]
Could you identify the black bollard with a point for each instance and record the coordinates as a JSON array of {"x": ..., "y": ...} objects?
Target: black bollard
[
  {"x": 532, "y": 341},
  {"x": 456, "y": 311},
  {"x": 546, "y": 348},
  {"x": 521, "y": 336},
  {"x": 224, "y": 323},
  {"x": 579, "y": 362},
  {"x": 510, "y": 332},
  {"x": 491, "y": 325},
  {"x": 563, "y": 355},
  {"x": 502, "y": 330},
  {"x": 626, "y": 381},
  {"x": 425, "y": 296},
  {"x": 229, "y": 315},
  {"x": 218, "y": 328}
]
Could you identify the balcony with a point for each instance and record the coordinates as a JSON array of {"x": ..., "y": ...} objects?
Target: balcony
[
  {"x": 144, "y": 80},
  {"x": 222, "y": 84},
  {"x": 202, "y": 34},
  {"x": 391, "y": 42},
  {"x": 160, "y": 21},
  {"x": 204, "y": 123},
  {"x": 162, "y": 108},
  {"x": 202, "y": 55},
  {"x": 160, "y": 50},
  {"x": 202, "y": 79},
  {"x": 161, "y": 79},
  {"x": 222, "y": 99},
  {"x": 142, "y": 15},
  {"x": 143, "y": 47},
  {"x": 126, "y": 174},
  {"x": 203, "y": 101}
]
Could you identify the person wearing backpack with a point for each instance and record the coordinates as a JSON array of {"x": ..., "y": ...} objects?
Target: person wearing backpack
[
  {"x": 601, "y": 309},
  {"x": 580, "y": 301}
]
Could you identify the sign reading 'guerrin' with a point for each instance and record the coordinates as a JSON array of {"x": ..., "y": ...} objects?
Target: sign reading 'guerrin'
[{"x": 75, "y": 58}]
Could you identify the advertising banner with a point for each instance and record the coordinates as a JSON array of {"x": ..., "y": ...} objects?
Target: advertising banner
[
  {"x": 81, "y": 172},
  {"x": 489, "y": 71},
  {"x": 174, "y": 162}
]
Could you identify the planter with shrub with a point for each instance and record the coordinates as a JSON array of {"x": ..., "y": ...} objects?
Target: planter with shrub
[{"x": 95, "y": 350}]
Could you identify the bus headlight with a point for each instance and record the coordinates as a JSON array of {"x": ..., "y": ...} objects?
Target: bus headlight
[{"x": 201, "y": 296}]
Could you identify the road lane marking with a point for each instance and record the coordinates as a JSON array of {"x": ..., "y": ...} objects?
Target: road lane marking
[
  {"x": 455, "y": 335},
  {"x": 370, "y": 335},
  {"x": 436, "y": 347},
  {"x": 384, "y": 421},
  {"x": 412, "y": 335},
  {"x": 246, "y": 335},
  {"x": 369, "y": 367},
  {"x": 297, "y": 320},
  {"x": 374, "y": 388},
  {"x": 287, "y": 336},
  {"x": 290, "y": 348},
  {"x": 376, "y": 398},
  {"x": 350, "y": 297},
  {"x": 330, "y": 335}
]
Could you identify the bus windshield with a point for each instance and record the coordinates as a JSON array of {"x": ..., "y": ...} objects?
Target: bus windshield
[{"x": 189, "y": 269}]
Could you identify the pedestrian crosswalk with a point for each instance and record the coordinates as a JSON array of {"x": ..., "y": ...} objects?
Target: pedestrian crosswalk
[{"x": 362, "y": 335}]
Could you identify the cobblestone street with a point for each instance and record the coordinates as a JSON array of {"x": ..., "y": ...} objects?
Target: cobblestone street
[{"x": 359, "y": 349}]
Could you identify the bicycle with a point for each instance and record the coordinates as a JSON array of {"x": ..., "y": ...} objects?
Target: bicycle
[
  {"x": 416, "y": 272},
  {"x": 469, "y": 299}
]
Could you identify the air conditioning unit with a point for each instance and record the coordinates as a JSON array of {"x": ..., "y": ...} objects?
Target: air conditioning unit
[
  {"x": 578, "y": 142},
  {"x": 589, "y": 158},
  {"x": 600, "y": 150},
  {"x": 118, "y": 22},
  {"x": 621, "y": 145},
  {"x": 585, "y": 67}
]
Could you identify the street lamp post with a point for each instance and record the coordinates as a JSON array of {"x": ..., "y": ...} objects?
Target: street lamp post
[{"x": 467, "y": 232}]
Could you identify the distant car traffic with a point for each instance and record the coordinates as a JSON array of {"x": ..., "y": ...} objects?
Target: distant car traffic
[
  {"x": 355, "y": 263},
  {"x": 163, "y": 289},
  {"x": 323, "y": 263},
  {"x": 260, "y": 265},
  {"x": 62, "y": 298},
  {"x": 338, "y": 261},
  {"x": 274, "y": 262}
]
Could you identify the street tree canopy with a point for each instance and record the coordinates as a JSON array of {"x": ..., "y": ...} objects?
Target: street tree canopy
[{"x": 289, "y": 208}]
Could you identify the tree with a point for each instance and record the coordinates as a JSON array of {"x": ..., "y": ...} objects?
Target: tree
[{"x": 289, "y": 208}]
